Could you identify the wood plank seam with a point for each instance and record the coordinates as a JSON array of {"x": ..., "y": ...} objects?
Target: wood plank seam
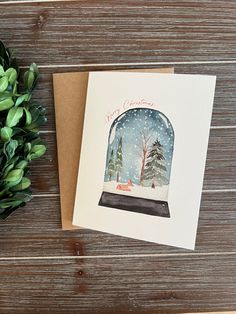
[
  {"x": 129, "y": 64},
  {"x": 34, "y": 1},
  {"x": 37, "y": 1},
  {"x": 46, "y": 195},
  {"x": 221, "y": 127},
  {"x": 47, "y": 131},
  {"x": 219, "y": 191},
  {"x": 118, "y": 256}
]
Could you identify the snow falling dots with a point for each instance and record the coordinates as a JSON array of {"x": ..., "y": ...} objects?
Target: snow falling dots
[
  {"x": 139, "y": 156},
  {"x": 132, "y": 137}
]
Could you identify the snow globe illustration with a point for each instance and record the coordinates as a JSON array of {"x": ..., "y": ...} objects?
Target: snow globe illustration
[{"x": 138, "y": 163}]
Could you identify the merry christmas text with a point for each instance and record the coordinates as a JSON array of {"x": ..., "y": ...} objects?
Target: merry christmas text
[{"x": 128, "y": 104}]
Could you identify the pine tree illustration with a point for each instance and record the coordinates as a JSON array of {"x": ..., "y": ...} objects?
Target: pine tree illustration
[
  {"x": 119, "y": 162},
  {"x": 111, "y": 166},
  {"x": 155, "y": 169}
]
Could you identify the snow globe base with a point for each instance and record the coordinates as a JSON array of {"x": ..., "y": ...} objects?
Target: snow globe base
[{"x": 135, "y": 204}]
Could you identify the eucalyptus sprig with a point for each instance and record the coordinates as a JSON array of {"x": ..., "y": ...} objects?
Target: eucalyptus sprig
[{"x": 20, "y": 143}]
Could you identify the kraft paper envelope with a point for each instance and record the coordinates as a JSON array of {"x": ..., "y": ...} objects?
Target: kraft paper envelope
[{"x": 69, "y": 97}]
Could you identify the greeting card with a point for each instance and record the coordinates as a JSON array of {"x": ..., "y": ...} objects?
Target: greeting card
[
  {"x": 143, "y": 155},
  {"x": 69, "y": 111}
]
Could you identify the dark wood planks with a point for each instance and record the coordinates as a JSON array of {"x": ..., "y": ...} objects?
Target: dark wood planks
[
  {"x": 35, "y": 230},
  {"x": 44, "y": 172},
  {"x": 137, "y": 285},
  {"x": 224, "y": 112},
  {"x": 220, "y": 171},
  {"x": 114, "y": 32},
  {"x": 89, "y": 31}
]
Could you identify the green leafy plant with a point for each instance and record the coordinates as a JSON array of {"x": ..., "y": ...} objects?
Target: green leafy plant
[{"x": 20, "y": 143}]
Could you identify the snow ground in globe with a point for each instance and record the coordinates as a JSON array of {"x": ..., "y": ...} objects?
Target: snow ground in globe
[{"x": 157, "y": 193}]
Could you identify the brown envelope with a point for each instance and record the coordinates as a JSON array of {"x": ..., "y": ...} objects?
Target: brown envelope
[{"x": 69, "y": 97}]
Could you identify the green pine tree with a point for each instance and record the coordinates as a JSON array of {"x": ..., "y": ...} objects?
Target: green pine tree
[
  {"x": 155, "y": 170},
  {"x": 118, "y": 163},
  {"x": 111, "y": 166}
]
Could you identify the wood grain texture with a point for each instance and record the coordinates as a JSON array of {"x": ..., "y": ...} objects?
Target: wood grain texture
[
  {"x": 92, "y": 272},
  {"x": 224, "y": 111},
  {"x": 89, "y": 31},
  {"x": 35, "y": 230},
  {"x": 136, "y": 285}
]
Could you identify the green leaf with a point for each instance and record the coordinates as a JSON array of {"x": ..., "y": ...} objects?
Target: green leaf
[
  {"x": 21, "y": 99},
  {"x": 19, "y": 132},
  {"x": 14, "y": 90},
  {"x": 10, "y": 209},
  {"x": 22, "y": 164},
  {"x": 4, "y": 204},
  {"x": 5, "y": 94},
  {"x": 31, "y": 76},
  {"x": 24, "y": 184},
  {"x": 6, "y": 133},
  {"x": 3, "y": 83},
  {"x": 29, "y": 79},
  {"x": 14, "y": 175},
  {"x": 27, "y": 148},
  {"x": 14, "y": 115},
  {"x": 11, "y": 75},
  {"x": 24, "y": 196},
  {"x": 6, "y": 104},
  {"x": 33, "y": 128},
  {"x": 28, "y": 117},
  {"x": 37, "y": 151},
  {"x": 9, "y": 148},
  {"x": 33, "y": 67},
  {"x": 8, "y": 169},
  {"x": 35, "y": 111},
  {"x": 2, "y": 72},
  {"x": 9, "y": 185},
  {"x": 36, "y": 141},
  {"x": 38, "y": 116},
  {"x": 2, "y": 192}
]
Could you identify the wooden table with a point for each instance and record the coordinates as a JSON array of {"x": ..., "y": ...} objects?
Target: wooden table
[{"x": 47, "y": 270}]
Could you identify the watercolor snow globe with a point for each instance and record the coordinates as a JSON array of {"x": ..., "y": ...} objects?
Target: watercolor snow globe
[{"x": 138, "y": 162}]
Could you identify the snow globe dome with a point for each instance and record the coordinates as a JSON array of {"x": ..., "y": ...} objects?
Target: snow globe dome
[{"x": 138, "y": 162}]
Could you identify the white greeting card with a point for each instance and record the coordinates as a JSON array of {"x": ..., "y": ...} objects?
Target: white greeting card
[{"x": 143, "y": 155}]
